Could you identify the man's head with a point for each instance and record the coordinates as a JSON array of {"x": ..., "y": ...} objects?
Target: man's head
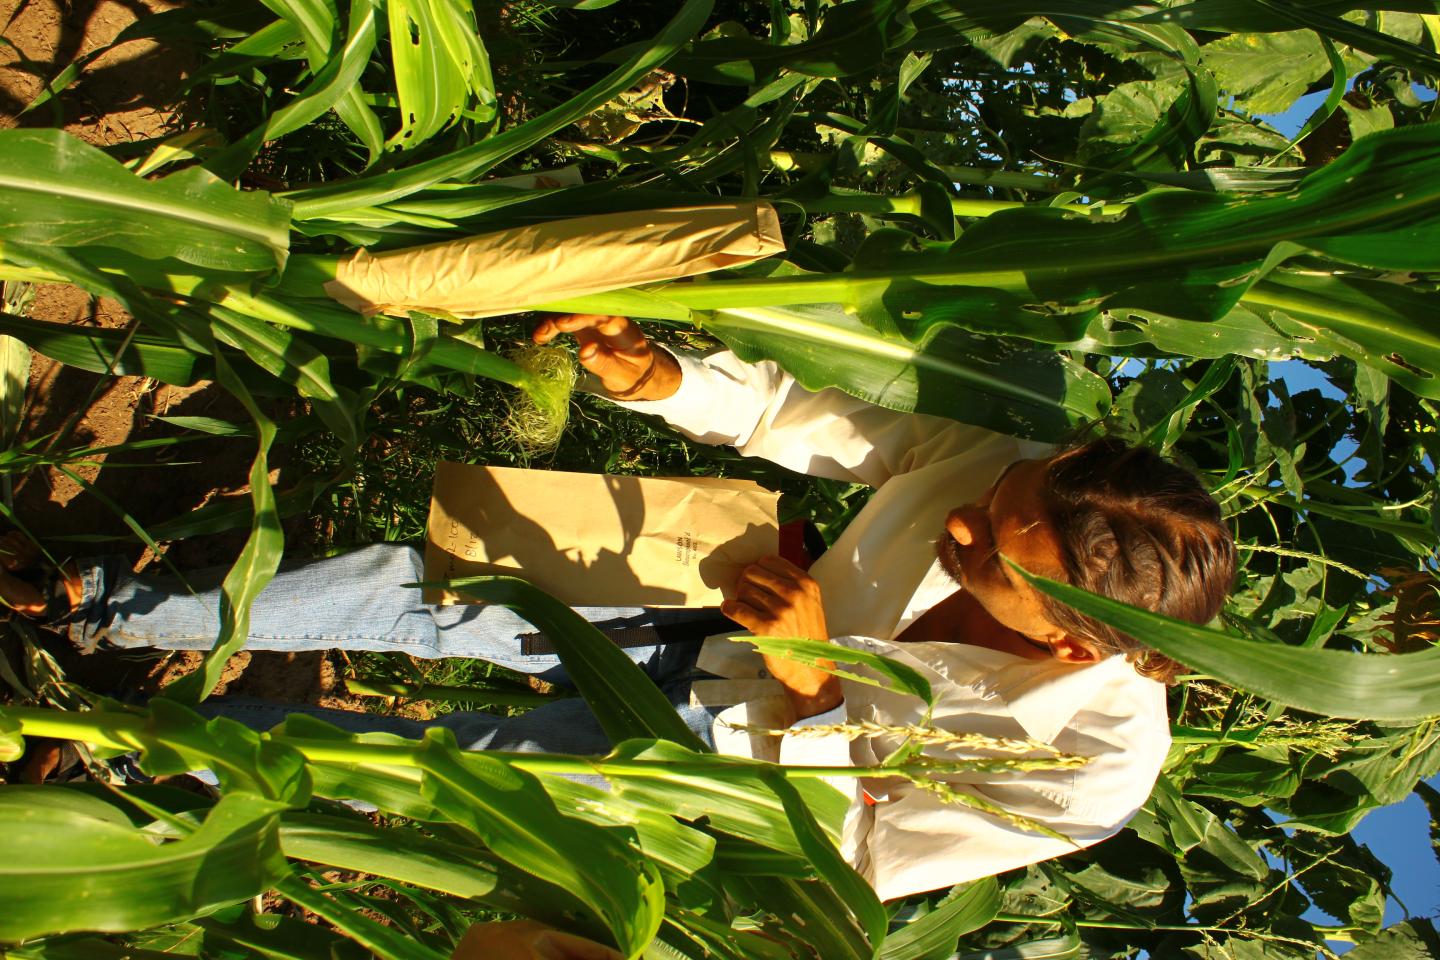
[{"x": 1112, "y": 519}]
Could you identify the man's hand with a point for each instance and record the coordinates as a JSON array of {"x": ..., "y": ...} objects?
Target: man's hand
[
  {"x": 614, "y": 349},
  {"x": 775, "y": 598}
]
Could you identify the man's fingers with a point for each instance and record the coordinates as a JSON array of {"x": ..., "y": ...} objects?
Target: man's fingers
[
  {"x": 761, "y": 598},
  {"x": 620, "y": 332},
  {"x": 745, "y": 615},
  {"x": 779, "y": 576},
  {"x": 771, "y": 584}
]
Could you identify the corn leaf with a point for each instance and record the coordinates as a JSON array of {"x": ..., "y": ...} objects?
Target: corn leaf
[
  {"x": 968, "y": 907},
  {"x": 902, "y": 678},
  {"x": 333, "y": 82},
  {"x": 816, "y": 916},
  {"x": 681, "y": 851},
  {"x": 1335, "y": 683},
  {"x": 447, "y": 866},
  {"x": 348, "y": 914},
  {"x": 939, "y": 369},
  {"x": 316, "y": 23},
  {"x": 735, "y": 800},
  {"x": 355, "y": 844},
  {"x": 851, "y": 888},
  {"x": 1385, "y": 326},
  {"x": 258, "y": 560},
  {"x": 14, "y": 379},
  {"x": 57, "y": 190},
  {"x": 509, "y": 811},
  {"x": 295, "y": 362},
  {"x": 625, "y": 701},
  {"x": 74, "y": 863},
  {"x": 430, "y": 85},
  {"x": 469, "y": 162}
]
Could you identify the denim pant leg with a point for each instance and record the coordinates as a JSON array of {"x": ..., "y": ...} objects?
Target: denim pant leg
[{"x": 354, "y": 601}]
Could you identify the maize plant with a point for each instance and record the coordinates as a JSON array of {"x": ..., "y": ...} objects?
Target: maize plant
[{"x": 1030, "y": 217}]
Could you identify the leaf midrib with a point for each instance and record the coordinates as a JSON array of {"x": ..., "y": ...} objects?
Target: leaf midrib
[{"x": 152, "y": 205}]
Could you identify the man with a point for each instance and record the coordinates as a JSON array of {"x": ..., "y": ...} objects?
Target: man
[{"x": 917, "y": 576}]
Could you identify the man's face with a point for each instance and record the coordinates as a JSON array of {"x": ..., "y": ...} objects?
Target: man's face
[{"x": 1009, "y": 518}]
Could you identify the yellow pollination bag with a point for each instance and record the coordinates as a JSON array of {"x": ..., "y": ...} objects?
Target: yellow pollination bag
[{"x": 517, "y": 269}]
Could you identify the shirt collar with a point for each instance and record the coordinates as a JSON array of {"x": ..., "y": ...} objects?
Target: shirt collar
[{"x": 1043, "y": 695}]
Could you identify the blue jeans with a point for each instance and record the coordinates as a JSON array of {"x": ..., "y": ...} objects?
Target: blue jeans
[{"x": 355, "y": 601}]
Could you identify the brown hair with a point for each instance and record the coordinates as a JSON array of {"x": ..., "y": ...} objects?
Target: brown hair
[{"x": 1138, "y": 529}]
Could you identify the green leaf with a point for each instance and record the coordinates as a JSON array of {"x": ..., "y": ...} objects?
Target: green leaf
[
  {"x": 735, "y": 799},
  {"x": 1124, "y": 117},
  {"x": 1431, "y": 798},
  {"x": 902, "y": 678},
  {"x": 1247, "y": 777},
  {"x": 78, "y": 865},
  {"x": 815, "y": 918},
  {"x": 625, "y": 701},
  {"x": 858, "y": 896},
  {"x": 349, "y": 915},
  {"x": 853, "y": 38},
  {"x": 258, "y": 560},
  {"x": 1408, "y": 940},
  {"x": 334, "y": 82},
  {"x": 936, "y": 369},
  {"x": 1266, "y": 73},
  {"x": 431, "y": 85},
  {"x": 1385, "y": 326},
  {"x": 14, "y": 379},
  {"x": 512, "y": 815},
  {"x": 1341, "y": 877},
  {"x": 398, "y": 854},
  {"x": 681, "y": 851},
  {"x": 1165, "y": 433},
  {"x": 104, "y": 350},
  {"x": 470, "y": 162},
  {"x": 12, "y": 744},
  {"x": 295, "y": 362},
  {"x": 315, "y": 21},
  {"x": 56, "y": 190},
  {"x": 933, "y": 936},
  {"x": 1332, "y": 683}
]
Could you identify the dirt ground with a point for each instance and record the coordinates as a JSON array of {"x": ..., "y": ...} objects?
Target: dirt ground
[{"x": 129, "y": 94}]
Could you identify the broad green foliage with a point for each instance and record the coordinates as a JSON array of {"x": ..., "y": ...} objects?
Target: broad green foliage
[
  {"x": 1026, "y": 216},
  {"x": 57, "y": 191}
]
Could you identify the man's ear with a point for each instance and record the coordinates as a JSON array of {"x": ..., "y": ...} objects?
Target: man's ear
[{"x": 1067, "y": 649}]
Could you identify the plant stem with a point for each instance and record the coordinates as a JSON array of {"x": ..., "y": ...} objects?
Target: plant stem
[
  {"x": 909, "y": 203},
  {"x": 1343, "y": 934},
  {"x": 380, "y": 332},
  {"x": 426, "y": 691},
  {"x": 126, "y": 731}
]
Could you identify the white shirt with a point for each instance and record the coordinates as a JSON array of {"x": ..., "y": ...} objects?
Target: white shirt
[{"x": 879, "y": 577}]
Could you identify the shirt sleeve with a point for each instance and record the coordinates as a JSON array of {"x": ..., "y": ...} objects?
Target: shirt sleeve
[
  {"x": 763, "y": 412},
  {"x": 917, "y": 841}
]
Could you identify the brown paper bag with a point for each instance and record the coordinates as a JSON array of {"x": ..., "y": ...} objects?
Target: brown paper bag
[
  {"x": 516, "y": 269},
  {"x": 595, "y": 540}
]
